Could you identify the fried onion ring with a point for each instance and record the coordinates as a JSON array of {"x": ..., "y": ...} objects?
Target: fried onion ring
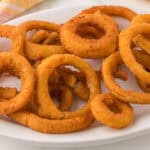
[
  {"x": 35, "y": 51},
  {"x": 21, "y": 68},
  {"x": 111, "y": 112},
  {"x": 90, "y": 48},
  {"x": 44, "y": 125},
  {"x": 47, "y": 108},
  {"x": 108, "y": 65}
]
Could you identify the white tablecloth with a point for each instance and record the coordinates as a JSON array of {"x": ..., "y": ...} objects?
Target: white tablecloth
[{"x": 138, "y": 143}]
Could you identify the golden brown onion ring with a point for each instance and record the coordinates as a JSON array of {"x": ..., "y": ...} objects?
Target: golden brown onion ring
[
  {"x": 44, "y": 125},
  {"x": 47, "y": 108},
  {"x": 90, "y": 48},
  {"x": 19, "y": 67},
  {"x": 111, "y": 112},
  {"x": 36, "y": 51},
  {"x": 108, "y": 65}
]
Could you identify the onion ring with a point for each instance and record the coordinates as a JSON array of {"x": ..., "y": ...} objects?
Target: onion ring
[
  {"x": 21, "y": 68},
  {"x": 111, "y": 112},
  {"x": 46, "y": 106},
  {"x": 124, "y": 95},
  {"x": 36, "y": 51},
  {"x": 112, "y": 11},
  {"x": 90, "y": 48},
  {"x": 125, "y": 41},
  {"x": 44, "y": 125}
]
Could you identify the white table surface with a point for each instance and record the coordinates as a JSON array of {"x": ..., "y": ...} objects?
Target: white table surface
[{"x": 138, "y": 143}]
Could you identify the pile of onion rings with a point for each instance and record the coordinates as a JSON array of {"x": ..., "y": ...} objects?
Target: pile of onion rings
[{"x": 48, "y": 59}]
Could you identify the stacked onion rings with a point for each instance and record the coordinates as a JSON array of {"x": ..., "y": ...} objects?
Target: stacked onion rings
[{"x": 19, "y": 67}]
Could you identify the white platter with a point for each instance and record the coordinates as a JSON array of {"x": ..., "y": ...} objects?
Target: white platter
[{"x": 95, "y": 135}]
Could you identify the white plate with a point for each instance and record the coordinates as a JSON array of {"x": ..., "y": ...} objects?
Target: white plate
[{"x": 95, "y": 135}]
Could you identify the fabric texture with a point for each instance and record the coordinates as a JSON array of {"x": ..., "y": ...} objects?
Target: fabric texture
[{"x": 12, "y": 8}]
